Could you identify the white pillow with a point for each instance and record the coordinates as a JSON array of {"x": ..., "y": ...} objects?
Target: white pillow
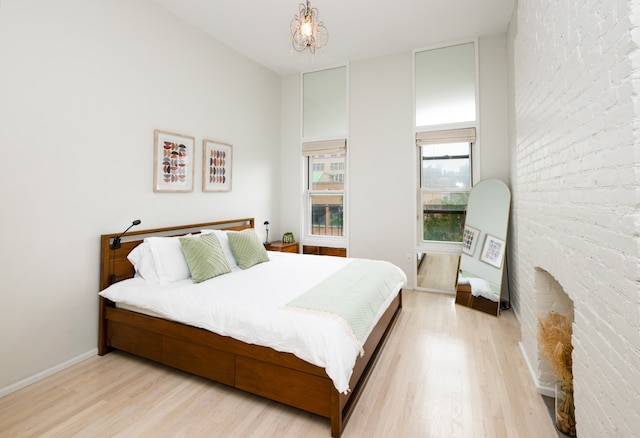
[
  {"x": 226, "y": 248},
  {"x": 142, "y": 261},
  {"x": 169, "y": 261}
]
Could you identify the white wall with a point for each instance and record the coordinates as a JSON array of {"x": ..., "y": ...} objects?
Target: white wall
[
  {"x": 574, "y": 73},
  {"x": 382, "y": 160},
  {"x": 493, "y": 132},
  {"x": 291, "y": 178},
  {"x": 82, "y": 87}
]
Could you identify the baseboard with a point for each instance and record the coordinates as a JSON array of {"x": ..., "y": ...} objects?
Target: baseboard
[
  {"x": 515, "y": 313},
  {"x": 46, "y": 373},
  {"x": 435, "y": 291},
  {"x": 540, "y": 389}
]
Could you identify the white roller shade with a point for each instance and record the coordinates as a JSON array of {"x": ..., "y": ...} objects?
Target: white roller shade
[
  {"x": 324, "y": 147},
  {"x": 462, "y": 135}
]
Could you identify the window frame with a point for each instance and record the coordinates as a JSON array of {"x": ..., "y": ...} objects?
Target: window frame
[
  {"x": 309, "y": 193},
  {"x": 324, "y": 119},
  {"x": 435, "y": 247},
  {"x": 458, "y": 133},
  {"x": 422, "y": 190}
]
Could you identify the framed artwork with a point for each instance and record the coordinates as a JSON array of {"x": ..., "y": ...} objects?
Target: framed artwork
[
  {"x": 172, "y": 162},
  {"x": 492, "y": 251},
  {"x": 216, "y": 166},
  {"x": 470, "y": 238}
]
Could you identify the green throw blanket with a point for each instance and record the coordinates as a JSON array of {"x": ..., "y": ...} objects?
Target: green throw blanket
[{"x": 353, "y": 294}]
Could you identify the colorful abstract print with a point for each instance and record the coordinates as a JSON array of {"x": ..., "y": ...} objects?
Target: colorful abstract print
[
  {"x": 174, "y": 163},
  {"x": 217, "y": 166},
  {"x": 467, "y": 239}
]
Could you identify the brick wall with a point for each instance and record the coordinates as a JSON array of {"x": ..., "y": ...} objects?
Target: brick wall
[{"x": 575, "y": 136}]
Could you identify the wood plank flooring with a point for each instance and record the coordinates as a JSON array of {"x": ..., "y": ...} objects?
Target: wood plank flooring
[{"x": 446, "y": 371}]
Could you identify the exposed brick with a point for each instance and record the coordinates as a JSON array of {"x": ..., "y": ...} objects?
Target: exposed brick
[{"x": 575, "y": 78}]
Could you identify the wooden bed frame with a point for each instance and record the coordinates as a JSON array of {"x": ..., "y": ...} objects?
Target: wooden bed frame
[
  {"x": 259, "y": 370},
  {"x": 465, "y": 298}
]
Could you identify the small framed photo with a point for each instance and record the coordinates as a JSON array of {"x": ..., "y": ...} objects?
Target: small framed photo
[
  {"x": 492, "y": 251},
  {"x": 172, "y": 162},
  {"x": 216, "y": 163},
  {"x": 470, "y": 238}
]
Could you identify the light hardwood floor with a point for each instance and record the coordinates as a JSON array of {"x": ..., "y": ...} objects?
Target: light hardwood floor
[{"x": 446, "y": 371}]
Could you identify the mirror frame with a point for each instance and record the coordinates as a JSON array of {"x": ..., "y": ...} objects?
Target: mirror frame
[{"x": 483, "y": 257}]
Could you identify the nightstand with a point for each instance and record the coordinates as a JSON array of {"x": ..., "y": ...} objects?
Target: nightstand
[
  {"x": 293, "y": 247},
  {"x": 324, "y": 250}
]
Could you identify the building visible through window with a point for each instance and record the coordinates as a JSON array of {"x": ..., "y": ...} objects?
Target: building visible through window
[
  {"x": 326, "y": 194},
  {"x": 445, "y": 186}
]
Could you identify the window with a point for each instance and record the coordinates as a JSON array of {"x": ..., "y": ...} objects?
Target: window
[
  {"x": 445, "y": 81},
  {"x": 445, "y": 85},
  {"x": 445, "y": 182},
  {"x": 324, "y": 104},
  {"x": 325, "y": 189},
  {"x": 324, "y": 132},
  {"x": 446, "y": 165}
]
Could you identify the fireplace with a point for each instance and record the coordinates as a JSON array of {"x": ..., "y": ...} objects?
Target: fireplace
[{"x": 550, "y": 297}]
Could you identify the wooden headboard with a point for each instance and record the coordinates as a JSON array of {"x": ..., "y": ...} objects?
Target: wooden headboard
[{"x": 114, "y": 265}]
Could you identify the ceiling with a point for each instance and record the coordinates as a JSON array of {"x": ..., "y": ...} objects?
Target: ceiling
[{"x": 357, "y": 30}]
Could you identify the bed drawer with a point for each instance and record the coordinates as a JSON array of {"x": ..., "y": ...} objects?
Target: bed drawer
[
  {"x": 135, "y": 340},
  {"x": 463, "y": 295},
  {"x": 200, "y": 360},
  {"x": 292, "y": 387}
]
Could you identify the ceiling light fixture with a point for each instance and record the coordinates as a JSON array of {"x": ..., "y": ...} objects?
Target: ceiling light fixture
[{"x": 306, "y": 31}]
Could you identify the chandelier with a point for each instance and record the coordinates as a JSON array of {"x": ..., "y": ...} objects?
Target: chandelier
[{"x": 306, "y": 31}]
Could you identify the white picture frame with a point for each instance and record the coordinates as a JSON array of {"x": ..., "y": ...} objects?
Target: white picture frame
[
  {"x": 470, "y": 238},
  {"x": 493, "y": 251},
  {"x": 217, "y": 161},
  {"x": 172, "y": 162}
]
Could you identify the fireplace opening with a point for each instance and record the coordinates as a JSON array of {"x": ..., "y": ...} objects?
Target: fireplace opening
[{"x": 551, "y": 298}]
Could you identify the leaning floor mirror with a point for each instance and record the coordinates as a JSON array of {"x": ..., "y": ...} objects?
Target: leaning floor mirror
[{"x": 484, "y": 243}]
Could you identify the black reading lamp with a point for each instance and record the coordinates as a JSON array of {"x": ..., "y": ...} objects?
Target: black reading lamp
[
  {"x": 116, "y": 240},
  {"x": 266, "y": 227}
]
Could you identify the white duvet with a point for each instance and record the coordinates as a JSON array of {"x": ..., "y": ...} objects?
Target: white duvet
[
  {"x": 481, "y": 287},
  {"x": 248, "y": 305}
]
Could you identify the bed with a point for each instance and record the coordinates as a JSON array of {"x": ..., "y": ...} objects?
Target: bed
[{"x": 277, "y": 375}]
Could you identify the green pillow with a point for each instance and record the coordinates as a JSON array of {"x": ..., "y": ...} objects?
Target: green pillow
[
  {"x": 247, "y": 248},
  {"x": 204, "y": 257}
]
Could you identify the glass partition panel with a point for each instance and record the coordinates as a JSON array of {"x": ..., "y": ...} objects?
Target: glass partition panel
[
  {"x": 445, "y": 85},
  {"x": 324, "y": 109}
]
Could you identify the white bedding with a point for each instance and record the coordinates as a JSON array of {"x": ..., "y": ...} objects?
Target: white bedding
[
  {"x": 248, "y": 305},
  {"x": 480, "y": 287}
]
